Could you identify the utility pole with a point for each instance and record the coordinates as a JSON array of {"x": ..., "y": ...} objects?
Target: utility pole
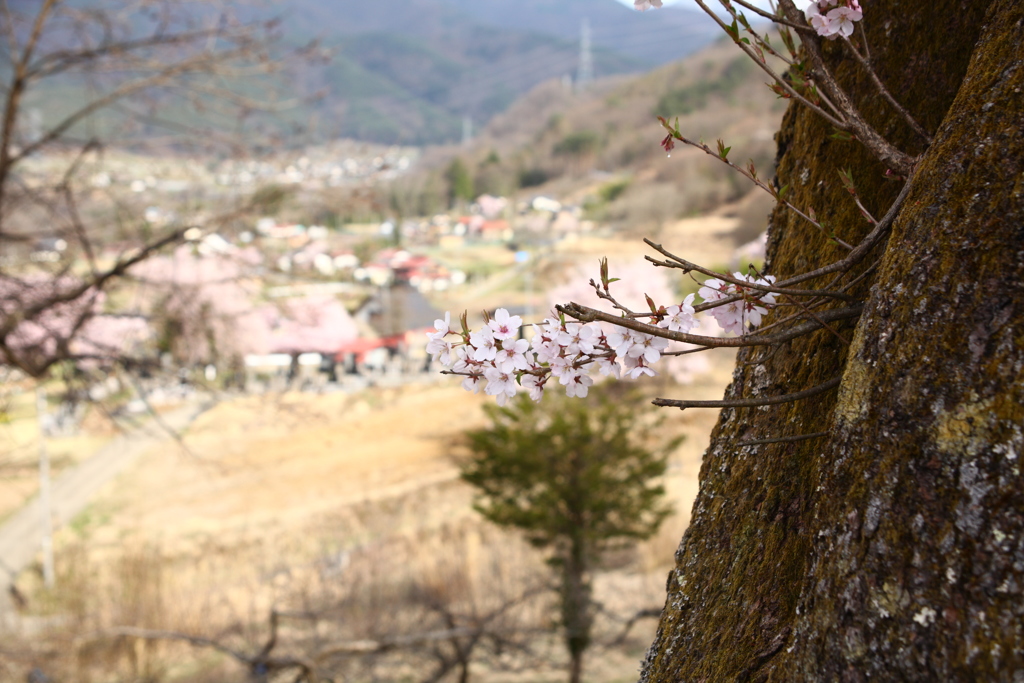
[
  {"x": 585, "y": 74},
  {"x": 467, "y": 130},
  {"x": 45, "y": 505}
]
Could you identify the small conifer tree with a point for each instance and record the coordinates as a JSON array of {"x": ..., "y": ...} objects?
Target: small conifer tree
[{"x": 577, "y": 479}]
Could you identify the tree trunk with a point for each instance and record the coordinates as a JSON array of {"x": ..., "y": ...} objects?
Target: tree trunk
[
  {"x": 893, "y": 548},
  {"x": 577, "y": 607}
]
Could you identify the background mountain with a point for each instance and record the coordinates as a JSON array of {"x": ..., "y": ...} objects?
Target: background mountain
[{"x": 411, "y": 71}]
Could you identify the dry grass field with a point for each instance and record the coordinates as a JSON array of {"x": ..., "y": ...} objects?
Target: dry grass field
[{"x": 321, "y": 501}]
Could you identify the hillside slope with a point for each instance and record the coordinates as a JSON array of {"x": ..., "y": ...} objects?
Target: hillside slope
[{"x": 410, "y": 71}]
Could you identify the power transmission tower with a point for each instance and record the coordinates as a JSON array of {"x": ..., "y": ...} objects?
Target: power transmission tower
[{"x": 585, "y": 74}]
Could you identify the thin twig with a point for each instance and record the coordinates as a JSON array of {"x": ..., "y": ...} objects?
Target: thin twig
[
  {"x": 907, "y": 116},
  {"x": 757, "y": 10},
  {"x": 759, "y": 183},
  {"x": 774, "y": 76},
  {"x": 688, "y": 266},
  {"x": 748, "y": 402}
]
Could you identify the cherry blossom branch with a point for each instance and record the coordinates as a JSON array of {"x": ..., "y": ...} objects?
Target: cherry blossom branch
[
  {"x": 806, "y": 310},
  {"x": 749, "y": 402},
  {"x": 757, "y": 10},
  {"x": 853, "y": 122},
  {"x": 688, "y": 266},
  {"x": 768, "y": 70},
  {"x": 761, "y": 43},
  {"x": 587, "y": 314},
  {"x": 687, "y": 352},
  {"x": 750, "y": 173}
]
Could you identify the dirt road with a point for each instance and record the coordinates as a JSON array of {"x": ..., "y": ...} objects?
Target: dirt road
[{"x": 20, "y": 535}]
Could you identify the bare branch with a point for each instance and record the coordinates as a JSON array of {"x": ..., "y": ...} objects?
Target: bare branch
[
  {"x": 838, "y": 123},
  {"x": 749, "y": 402},
  {"x": 864, "y": 62}
]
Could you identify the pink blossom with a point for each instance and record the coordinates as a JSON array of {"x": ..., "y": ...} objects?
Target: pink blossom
[
  {"x": 841, "y": 20},
  {"x": 505, "y": 326},
  {"x": 501, "y": 385},
  {"x": 578, "y": 338},
  {"x": 644, "y": 5},
  {"x": 636, "y": 367},
  {"x": 577, "y": 383},
  {"x": 472, "y": 383},
  {"x": 648, "y": 347},
  {"x": 535, "y": 385},
  {"x": 838, "y": 21},
  {"x": 511, "y": 355},
  {"x": 736, "y": 315},
  {"x": 436, "y": 344},
  {"x": 680, "y": 318},
  {"x": 609, "y": 367},
  {"x": 484, "y": 345},
  {"x": 443, "y": 327},
  {"x": 621, "y": 341}
]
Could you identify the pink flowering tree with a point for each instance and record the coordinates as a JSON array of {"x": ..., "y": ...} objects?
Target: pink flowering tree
[
  {"x": 204, "y": 308},
  {"x": 72, "y": 224}
]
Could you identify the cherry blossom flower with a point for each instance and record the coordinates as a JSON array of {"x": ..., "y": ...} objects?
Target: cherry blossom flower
[
  {"x": 443, "y": 327},
  {"x": 736, "y": 315},
  {"x": 577, "y": 338},
  {"x": 577, "y": 383},
  {"x": 730, "y": 317},
  {"x": 461, "y": 360},
  {"x": 534, "y": 385},
  {"x": 644, "y": 5},
  {"x": 609, "y": 367},
  {"x": 505, "y": 326},
  {"x": 836, "y": 22},
  {"x": 437, "y": 344},
  {"x": 472, "y": 383},
  {"x": 714, "y": 290},
  {"x": 484, "y": 345},
  {"x": 818, "y": 21},
  {"x": 841, "y": 20},
  {"x": 511, "y": 356},
  {"x": 501, "y": 385},
  {"x": 648, "y": 347},
  {"x": 680, "y": 318},
  {"x": 560, "y": 366},
  {"x": 621, "y": 341},
  {"x": 636, "y": 367}
]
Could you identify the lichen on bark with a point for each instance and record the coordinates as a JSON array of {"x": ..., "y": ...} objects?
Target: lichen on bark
[{"x": 894, "y": 547}]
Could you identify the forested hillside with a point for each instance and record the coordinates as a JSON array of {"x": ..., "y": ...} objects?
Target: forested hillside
[{"x": 411, "y": 71}]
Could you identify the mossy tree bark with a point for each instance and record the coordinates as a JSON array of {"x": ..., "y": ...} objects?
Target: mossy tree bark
[{"x": 892, "y": 549}]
